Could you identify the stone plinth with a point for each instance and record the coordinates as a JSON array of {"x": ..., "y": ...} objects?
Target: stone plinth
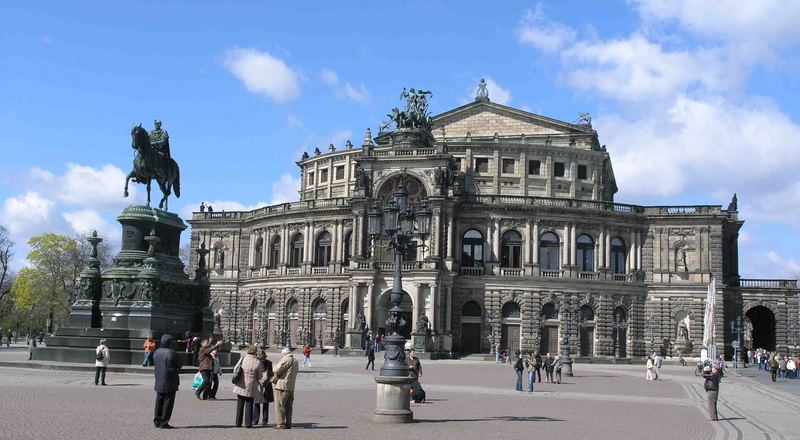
[
  {"x": 393, "y": 400},
  {"x": 145, "y": 293}
]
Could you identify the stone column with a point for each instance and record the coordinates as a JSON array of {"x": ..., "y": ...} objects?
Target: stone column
[
  {"x": 488, "y": 245},
  {"x": 448, "y": 310},
  {"x": 565, "y": 245},
  {"x": 368, "y": 307},
  {"x": 434, "y": 293},
  {"x": 535, "y": 242},
  {"x": 496, "y": 240},
  {"x": 284, "y": 254},
  {"x": 335, "y": 237},
  {"x": 526, "y": 250},
  {"x": 607, "y": 237},
  {"x": 450, "y": 235},
  {"x": 573, "y": 244},
  {"x": 632, "y": 252}
]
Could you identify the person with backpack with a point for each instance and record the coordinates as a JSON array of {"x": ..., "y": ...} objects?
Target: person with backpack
[
  {"x": 101, "y": 358},
  {"x": 519, "y": 366}
]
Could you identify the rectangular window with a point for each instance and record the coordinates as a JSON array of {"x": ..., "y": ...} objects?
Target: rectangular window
[
  {"x": 558, "y": 169},
  {"x": 323, "y": 176},
  {"x": 533, "y": 167},
  {"x": 582, "y": 173},
  {"x": 481, "y": 165},
  {"x": 310, "y": 179},
  {"x": 340, "y": 172},
  {"x": 508, "y": 166}
]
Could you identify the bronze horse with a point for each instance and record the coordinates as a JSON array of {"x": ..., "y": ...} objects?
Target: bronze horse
[{"x": 149, "y": 164}]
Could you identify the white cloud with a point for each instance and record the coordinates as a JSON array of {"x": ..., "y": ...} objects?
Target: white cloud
[
  {"x": 263, "y": 74},
  {"x": 285, "y": 189},
  {"x": 26, "y": 213},
  {"x": 329, "y": 76},
  {"x": 765, "y": 23},
  {"x": 542, "y": 33},
  {"x": 96, "y": 188},
  {"x": 87, "y": 220},
  {"x": 346, "y": 90}
]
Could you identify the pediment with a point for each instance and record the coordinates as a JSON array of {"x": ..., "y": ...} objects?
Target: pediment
[{"x": 484, "y": 119}]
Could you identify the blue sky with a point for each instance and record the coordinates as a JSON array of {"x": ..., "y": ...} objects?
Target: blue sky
[{"x": 695, "y": 99}]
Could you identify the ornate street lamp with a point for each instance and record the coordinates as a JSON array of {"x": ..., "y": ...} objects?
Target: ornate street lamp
[
  {"x": 736, "y": 330},
  {"x": 566, "y": 361},
  {"x": 400, "y": 223},
  {"x": 619, "y": 324}
]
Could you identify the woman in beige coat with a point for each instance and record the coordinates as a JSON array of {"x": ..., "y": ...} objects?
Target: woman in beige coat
[{"x": 248, "y": 387}]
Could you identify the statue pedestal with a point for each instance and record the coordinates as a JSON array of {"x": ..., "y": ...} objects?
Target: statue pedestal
[
  {"x": 393, "y": 400},
  {"x": 420, "y": 341},
  {"x": 356, "y": 339}
]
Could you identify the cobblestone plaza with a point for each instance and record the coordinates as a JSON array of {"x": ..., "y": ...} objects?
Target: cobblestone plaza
[{"x": 466, "y": 400}]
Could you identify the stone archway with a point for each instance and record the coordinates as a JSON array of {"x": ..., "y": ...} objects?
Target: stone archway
[
  {"x": 763, "y": 324},
  {"x": 471, "y": 319},
  {"x": 381, "y": 314}
]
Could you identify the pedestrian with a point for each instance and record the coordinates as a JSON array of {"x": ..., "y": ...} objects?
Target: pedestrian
[
  {"x": 519, "y": 367},
  {"x": 548, "y": 368},
  {"x": 101, "y": 358},
  {"x": 31, "y": 346},
  {"x": 248, "y": 386},
  {"x": 773, "y": 366},
  {"x": 216, "y": 372},
  {"x": 791, "y": 368},
  {"x": 415, "y": 365},
  {"x": 712, "y": 379},
  {"x": 497, "y": 355},
  {"x": 782, "y": 367},
  {"x": 261, "y": 402},
  {"x": 149, "y": 347},
  {"x": 367, "y": 341},
  {"x": 284, "y": 379},
  {"x": 167, "y": 365},
  {"x": 189, "y": 347},
  {"x": 681, "y": 359},
  {"x": 206, "y": 366},
  {"x": 657, "y": 361},
  {"x": 8, "y": 338},
  {"x": 557, "y": 364},
  {"x": 307, "y": 355},
  {"x": 530, "y": 366},
  {"x": 538, "y": 366},
  {"x": 196, "y": 350},
  {"x": 649, "y": 375},
  {"x": 370, "y": 358}
]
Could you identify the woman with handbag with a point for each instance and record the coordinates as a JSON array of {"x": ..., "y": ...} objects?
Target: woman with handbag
[
  {"x": 247, "y": 377},
  {"x": 261, "y": 402}
]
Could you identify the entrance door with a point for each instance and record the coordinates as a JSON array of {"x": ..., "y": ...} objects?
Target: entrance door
[
  {"x": 510, "y": 337},
  {"x": 471, "y": 337},
  {"x": 549, "y": 341},
  {"x": 763, "y": 322},
  {"x": 271, "y": 336},
  {"x": 587, "y": 341},
  {"x": 318, "y": 335}
]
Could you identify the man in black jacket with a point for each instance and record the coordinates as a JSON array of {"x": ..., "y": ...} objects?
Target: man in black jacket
[
  {"x": 167, "y": 366},
  {"x": 712, "y": 377}
]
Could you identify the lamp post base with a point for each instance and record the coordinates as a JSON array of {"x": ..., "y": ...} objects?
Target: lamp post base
[
  {"x": 393, "y": 402},
  {"x": 567, "y": 368}
]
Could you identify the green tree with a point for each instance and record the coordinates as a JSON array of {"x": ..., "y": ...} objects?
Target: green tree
[
  {"x": 5, "y": 258},
  {"x": 46, "y": 288}
]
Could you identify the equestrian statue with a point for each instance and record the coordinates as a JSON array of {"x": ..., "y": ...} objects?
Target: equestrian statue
[{"x": 153, "y": 161}]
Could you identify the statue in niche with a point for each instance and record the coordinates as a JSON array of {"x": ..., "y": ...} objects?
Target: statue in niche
[
  {"x": 219, "y": 258},
  {"x": 422, "y": 324},
  {"x": 680, "y": 259}
]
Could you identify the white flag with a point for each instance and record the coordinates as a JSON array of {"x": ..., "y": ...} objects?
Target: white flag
[{"x": 708, "y": 316}]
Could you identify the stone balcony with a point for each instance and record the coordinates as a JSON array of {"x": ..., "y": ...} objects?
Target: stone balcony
[
  {"x": 766, "y": 284},
  {"x": 490, "y": 269}
]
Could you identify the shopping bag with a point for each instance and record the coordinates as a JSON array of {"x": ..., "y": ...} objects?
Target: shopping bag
[{"x": 198, "y": 381}]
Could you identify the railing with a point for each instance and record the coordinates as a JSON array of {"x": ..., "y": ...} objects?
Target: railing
[
  {"x": 511, "y": 272},
  {"x": 589, "y": 275},
  {"x": 279, "y": 208},
  {"x": 319, "y": 270},
  {"x": 404, "y": 151},
  {"x": 292, "y": 271},
  {"x": 472, "y": 271},
  {"x": 550, "y": 202},
  {"x": 551, "y": 273},
  {"x": 769, "y": 284},
  {"x": 272, "y": 272},
  {"x": 620, "y": 276},
  {"x": 683, "y": 210}
]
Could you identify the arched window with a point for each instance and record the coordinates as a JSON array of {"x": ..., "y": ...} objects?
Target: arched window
[
  {"x": 348, "y": 247},
  {"x": 297, "y": 251},
  {"x": 322, "y": 255},
  {"x": 511, "y": 249},
  {"x": 472, "y": 249},
  {"x": 620, "y": 314},
  {"x": 471, "y": 308},
  {"x": 275, "y": 252},
  {"x": 510, "y": 310},
  {"x": 586, "y": 313},
  {"x": 549, "y": 311},
  {"x": 617, "y": 255},
  {"x": 549, "y": 252},
  {"x": 258, "y": 252},
  {"x": 319, "y": 308},
  {"x": 585, "y": 253}
]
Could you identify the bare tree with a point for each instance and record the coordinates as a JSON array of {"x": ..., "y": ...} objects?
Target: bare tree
[
  {"x": 5, "y": 257},
  {"x": 185, "y": 254}
]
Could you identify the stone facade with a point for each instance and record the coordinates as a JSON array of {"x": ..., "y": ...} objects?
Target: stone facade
[{"x": 527, "y": 246}]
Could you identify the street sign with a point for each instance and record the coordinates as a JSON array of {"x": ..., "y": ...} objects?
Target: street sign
[{"x": 735, "y": 344}]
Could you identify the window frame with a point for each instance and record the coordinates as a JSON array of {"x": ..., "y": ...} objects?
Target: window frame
[{"x": 511, "y": 249}]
